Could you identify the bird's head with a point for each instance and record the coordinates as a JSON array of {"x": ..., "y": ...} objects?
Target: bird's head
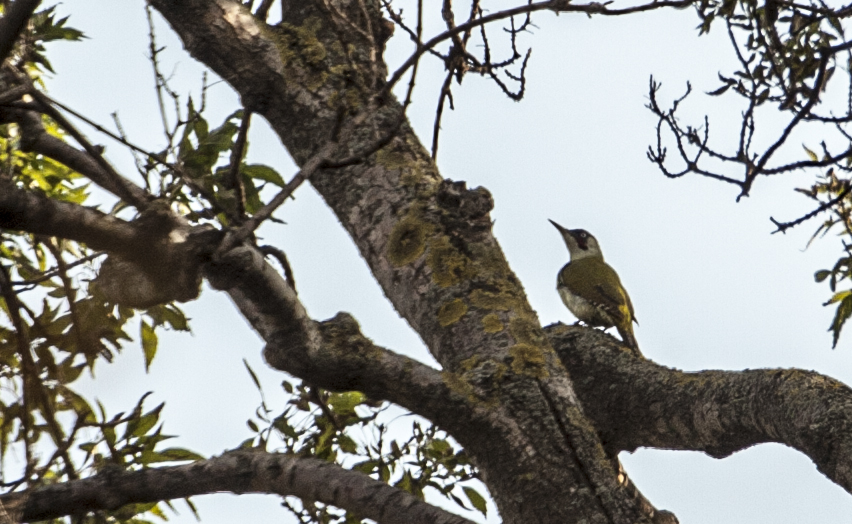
[{"x": 581, "y": 243}]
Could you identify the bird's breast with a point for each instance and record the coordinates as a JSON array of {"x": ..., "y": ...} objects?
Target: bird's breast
[{"x": 584, "y": 310}]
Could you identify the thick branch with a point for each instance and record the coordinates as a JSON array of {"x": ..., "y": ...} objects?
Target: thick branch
[
  {"x": 35, "y": 213},
  {"x": 637, "y": 403},
  {"x": 236, "y": 472},
  {"x": 332, "y": 354}
]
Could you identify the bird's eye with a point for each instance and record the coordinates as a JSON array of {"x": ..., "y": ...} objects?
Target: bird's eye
[{"x": 583, "y": 235}]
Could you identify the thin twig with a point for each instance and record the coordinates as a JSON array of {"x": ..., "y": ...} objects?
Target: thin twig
[
  {"x": 553, "y": 5},
  {"x": 313, "y": 164},
  {"x": 784, "y": 226},
  {"x": 263, "y": 10},
  {"x": 234, "y": 180},
  {"x": 27, "y": 365},
  {"x": 281, "y": 257},
  {"x": 52, "y": 273}
]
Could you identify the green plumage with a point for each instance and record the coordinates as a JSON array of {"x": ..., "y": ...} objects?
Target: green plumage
[
  {"x": 591, "y": 289},
  {"x": 593, "y": 280}
]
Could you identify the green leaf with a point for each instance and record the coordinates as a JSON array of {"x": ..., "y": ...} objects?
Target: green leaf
[
  {"x": 283, "y": 425},
  {"x": 347, "y": 444},
  {"x": 168, "y": 314},
  {"x": 844, "y": 311},
  {"x": 720, "y": 91},
  {"x": 366, "y": 467},
  {"x": 405, "y": 483},
  {"x": 253, "y": 376},
  {"x": 345, "y": 403},
  {"x": 177, "y": 455},
  {"x": 139, "y": 427},
  {"x": 193, "y": 509},
  {"x": 262, "y": 172},
  {"x": 253, "y": 202},
  {"x": 477, "y": 500},
  {"x": 149, "y": 343},
  {"x": 252, "y": 426},
  {"x": 813, "y": 156},
  {"x": 821, "y": 275},
  {"x": 838, "y": 297}
]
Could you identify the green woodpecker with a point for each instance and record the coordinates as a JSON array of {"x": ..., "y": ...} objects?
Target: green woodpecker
[{"x": 591, "y": 289}]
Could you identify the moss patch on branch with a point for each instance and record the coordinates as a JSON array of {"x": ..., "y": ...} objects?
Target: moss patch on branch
[
  {"x": 451, "y": 312},
  {"x": 528, "y": 360},
  {"x": 407, "y": 241},
  {"x": 491, "y": 323}
]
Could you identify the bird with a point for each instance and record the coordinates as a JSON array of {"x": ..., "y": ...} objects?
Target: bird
[{"x": 591, "y": 289}]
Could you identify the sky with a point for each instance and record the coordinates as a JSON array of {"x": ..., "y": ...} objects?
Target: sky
[{"x": 712, "y": 287}]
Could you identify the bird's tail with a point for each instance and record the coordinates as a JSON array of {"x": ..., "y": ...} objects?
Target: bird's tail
[{"x": 629, "y": 338}]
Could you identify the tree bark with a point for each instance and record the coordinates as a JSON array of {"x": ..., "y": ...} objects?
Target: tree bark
[
  {"x": 236, "y": 472},
  {"x": 637, "y": 403}
]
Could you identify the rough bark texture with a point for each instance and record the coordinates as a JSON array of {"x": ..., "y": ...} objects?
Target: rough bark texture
[
  {"x": 35, "y": 213},
  {"x": 637, "y": 403},
  {"x": 236, "y": 472}
]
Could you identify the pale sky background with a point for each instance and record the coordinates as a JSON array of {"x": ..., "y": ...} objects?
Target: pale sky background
[{"x": 712, "y": 288}]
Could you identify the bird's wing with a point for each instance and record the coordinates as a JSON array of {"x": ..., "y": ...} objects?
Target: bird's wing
[
  {"x": 611, "y": 297},
  {"x": 615, "y": 301},
  {"x": 630, "y": 306},
  {"x": 617, "y": 296}
]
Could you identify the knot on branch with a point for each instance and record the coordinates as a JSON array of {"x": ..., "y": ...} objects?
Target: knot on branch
[
  {"x": 470, "y": 204},
  {"x": 343, "y": 333},
  {"x": 232, "y": 268},
  {"x": 165, "y": 267}
]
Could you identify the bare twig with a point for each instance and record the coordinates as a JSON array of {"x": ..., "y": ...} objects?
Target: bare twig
[
  {"x": 248, "y": 227},
  {"x": 27, "y": 365},
  {"x": 234, "y": 180},
  {"x": 54, "y": 272},
  {"x": 782, "y": 227},
  {"x": 281, "y": 257},
  {"x": 446, "y": 94},
  {"x": 563, "y": 6},
  {"x": 263, "y": 9}
]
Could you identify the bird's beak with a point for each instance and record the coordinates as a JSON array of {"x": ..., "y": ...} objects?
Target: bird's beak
[{"x": 561, "y": 229}]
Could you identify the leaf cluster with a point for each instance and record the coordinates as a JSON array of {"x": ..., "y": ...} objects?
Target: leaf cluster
[
  {"x": 349, "y": 429},
  {"x": 833, "y": 194},
  {"x": 54, "y": 327},
  {"x": 44, "y": 27}
]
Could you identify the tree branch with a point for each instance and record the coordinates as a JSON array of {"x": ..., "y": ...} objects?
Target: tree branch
[
  {"x": 332, "y": 354},
  {"x": 13, "y": 23},
  {"x": 35, "y": 139},
  {"x": 28, "y": 211},
  {"x": 237, "y": 472},
  {"x": 637, "y": 403}
]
